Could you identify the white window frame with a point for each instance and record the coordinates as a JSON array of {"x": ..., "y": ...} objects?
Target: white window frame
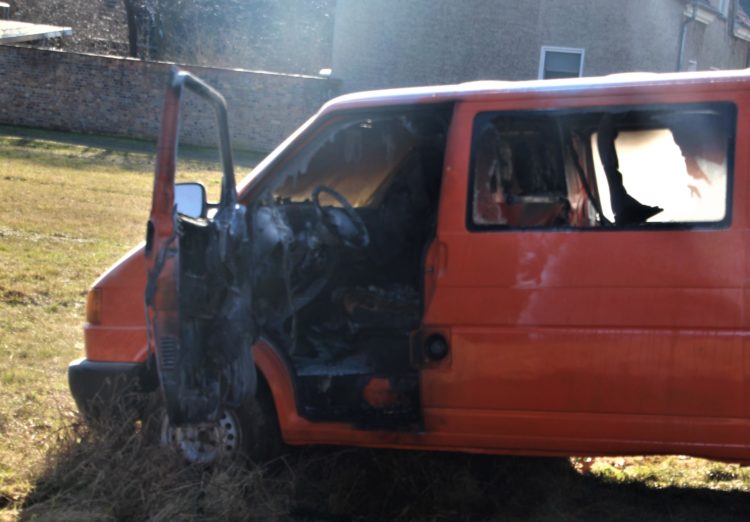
[{"x": 550, "y": 48}]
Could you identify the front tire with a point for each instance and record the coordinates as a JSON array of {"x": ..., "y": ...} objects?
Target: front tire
[
  {"x": 205, "y": 443},
  {"x": 251, "y": 432}
]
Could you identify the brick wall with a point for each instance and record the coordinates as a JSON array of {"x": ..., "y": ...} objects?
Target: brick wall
[{"x": 119, "y": 96}]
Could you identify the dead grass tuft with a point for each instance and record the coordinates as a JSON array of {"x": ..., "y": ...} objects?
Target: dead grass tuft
[{"x": 113, "y": 468}]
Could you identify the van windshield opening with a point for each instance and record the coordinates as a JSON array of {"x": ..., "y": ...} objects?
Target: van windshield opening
[{"x": 359, "y": 158}]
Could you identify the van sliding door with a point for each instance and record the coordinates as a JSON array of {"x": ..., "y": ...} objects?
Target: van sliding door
[{"x": 573, "y": 328}]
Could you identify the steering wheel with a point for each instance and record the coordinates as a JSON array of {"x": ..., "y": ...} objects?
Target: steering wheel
[{"x": 358, "y": 237}]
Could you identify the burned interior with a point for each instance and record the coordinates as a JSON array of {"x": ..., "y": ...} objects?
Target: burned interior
[
  {"x": 324, "y": 261},
  {"x": 338, "y": 241},
  {"x": 612, "y": 167}
]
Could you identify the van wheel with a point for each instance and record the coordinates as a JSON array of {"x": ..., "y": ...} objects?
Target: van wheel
[
  {"x": 251, "y": 431},
  {"x": 205, "y": 443}
]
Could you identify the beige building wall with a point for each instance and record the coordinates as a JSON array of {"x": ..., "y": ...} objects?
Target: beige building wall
[
  {"x": 390, "y": 43},
  {"x": 714, "y": 45}
]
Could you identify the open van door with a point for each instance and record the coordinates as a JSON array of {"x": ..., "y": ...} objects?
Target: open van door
[{"x": 198, "y": 299}]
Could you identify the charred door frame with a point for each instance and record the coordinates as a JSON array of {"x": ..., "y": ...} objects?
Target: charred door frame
[{"x": 197, "y": 380}]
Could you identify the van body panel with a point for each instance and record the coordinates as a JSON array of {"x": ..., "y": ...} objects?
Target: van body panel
[
  {"x": 562, "y": 341},
  {"x": 637, "y": 329},
  {"x": 120, "y": 333},
  {"x": 115, "y": 343},
  {"x": 521, "y": 432}
]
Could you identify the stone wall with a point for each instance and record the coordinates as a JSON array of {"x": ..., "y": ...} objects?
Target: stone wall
[
  {"x": 292, "y": 36},
  {"x": 120, "y": 96},
  {"x": 99, "y": 26}
]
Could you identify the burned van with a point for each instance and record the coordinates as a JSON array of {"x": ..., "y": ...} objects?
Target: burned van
[{"x": 545, "y": 267}]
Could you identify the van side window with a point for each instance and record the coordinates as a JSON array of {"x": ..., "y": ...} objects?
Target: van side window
[
  {"x": 610, "y": 167},
  {"x": 519, "y": 176}
]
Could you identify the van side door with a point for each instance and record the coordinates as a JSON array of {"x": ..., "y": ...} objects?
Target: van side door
[{"x": 572, "y": 329}]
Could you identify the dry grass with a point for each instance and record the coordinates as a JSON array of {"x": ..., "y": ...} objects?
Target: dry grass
[
  {"x": 69, "y": 211},
  {"x": 66, "y": 213},
  {"x": 115, "y": 470}
]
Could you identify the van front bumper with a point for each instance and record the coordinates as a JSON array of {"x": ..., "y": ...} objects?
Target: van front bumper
[{"x": 98, "y": 386}]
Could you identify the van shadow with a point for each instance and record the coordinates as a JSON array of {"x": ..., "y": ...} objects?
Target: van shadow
[
  {"x": 396, "y": 485},
  {"x": 111, "y": 472}
]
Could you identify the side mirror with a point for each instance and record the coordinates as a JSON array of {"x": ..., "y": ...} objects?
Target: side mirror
[{"x": 190, "y": 199}]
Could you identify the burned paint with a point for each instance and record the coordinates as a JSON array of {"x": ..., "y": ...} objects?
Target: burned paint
[
  {"x": 343, "y": 232},
  {"x": 198, "y": 299},
  {"x": 325, "y": 263}
]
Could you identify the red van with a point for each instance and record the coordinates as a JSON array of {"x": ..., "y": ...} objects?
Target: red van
[{"x": 540, "y": 268}]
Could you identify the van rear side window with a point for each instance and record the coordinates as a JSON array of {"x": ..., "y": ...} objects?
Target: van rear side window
[{"x": 617, "y": 167}]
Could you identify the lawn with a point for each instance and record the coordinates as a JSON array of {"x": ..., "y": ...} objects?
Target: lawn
[
  {"x": 67, "y": 212},
  {"x": 69, "y": 208}
]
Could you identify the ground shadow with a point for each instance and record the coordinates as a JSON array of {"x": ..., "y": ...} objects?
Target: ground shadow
[
  {"x": 393, "y": 485},
  {"x": 99, "y": 148},
  {"x": 126, "y": 476}
]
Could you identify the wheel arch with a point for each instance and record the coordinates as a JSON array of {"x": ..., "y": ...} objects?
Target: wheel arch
[{"x": 277, "y": 376}]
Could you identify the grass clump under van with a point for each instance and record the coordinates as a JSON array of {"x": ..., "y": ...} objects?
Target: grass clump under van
[{"x": 68, "y": 210}]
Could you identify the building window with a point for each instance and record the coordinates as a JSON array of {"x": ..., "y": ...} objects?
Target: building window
[{"x": 560, "y": 62}]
